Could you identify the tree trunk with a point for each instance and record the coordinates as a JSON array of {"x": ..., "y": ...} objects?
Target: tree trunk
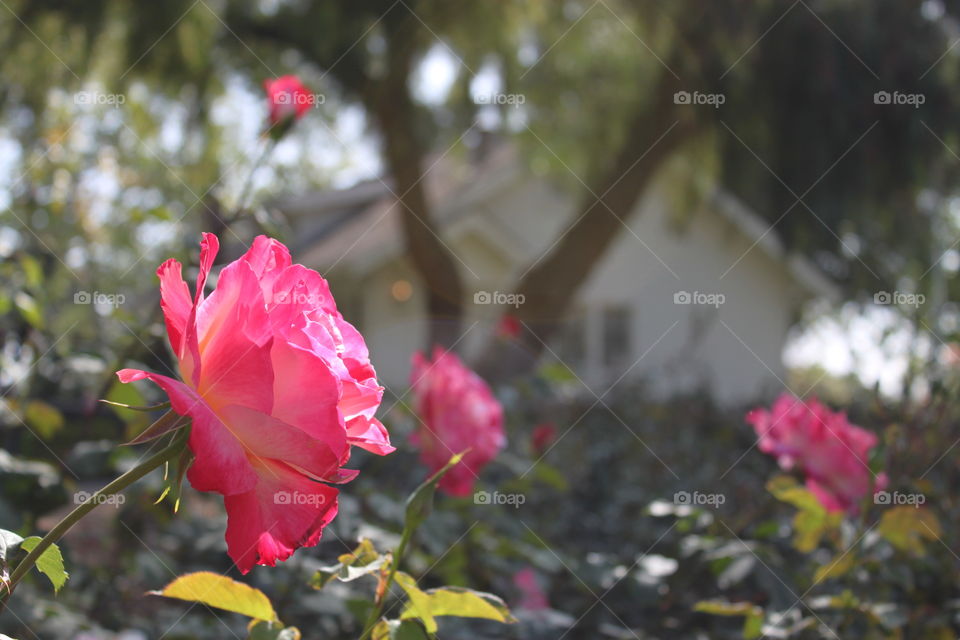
[
  {"x": 550, "y": 287},
  {"x": 404, "y": 151}
]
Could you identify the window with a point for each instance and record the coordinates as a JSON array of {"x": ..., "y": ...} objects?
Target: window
[
  {"x": 616, "y": 335},
  {"x": 572, "y": 339}
]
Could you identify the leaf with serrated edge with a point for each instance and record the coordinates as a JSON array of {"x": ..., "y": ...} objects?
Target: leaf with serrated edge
[
  {"x": 362, "y": 561},
  {"x": 50, "y": 562},
  {"x": 450, "y": 601},
  {"x": 906, "y": 527}
]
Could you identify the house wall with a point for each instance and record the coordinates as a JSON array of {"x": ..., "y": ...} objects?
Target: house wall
[{"x": 733, "y": 349}]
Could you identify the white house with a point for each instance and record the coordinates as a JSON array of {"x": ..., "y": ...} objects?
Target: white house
[{"x": 699, "y": 300}]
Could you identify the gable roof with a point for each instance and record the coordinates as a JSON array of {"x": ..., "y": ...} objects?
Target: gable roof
[{"x": 359, "y": 228}]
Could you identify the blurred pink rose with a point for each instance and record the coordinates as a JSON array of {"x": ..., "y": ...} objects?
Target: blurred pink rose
[
  {"x": 532, "y": 597},
  {"x": 542, "y": 437},
  {"x": 279, "y": 387},
  {"x": 287, "y": 99},
  {"x": 458, "y": 411},
  {"x": 831, "y": 452},
  {"x": 508, "y": 328}
]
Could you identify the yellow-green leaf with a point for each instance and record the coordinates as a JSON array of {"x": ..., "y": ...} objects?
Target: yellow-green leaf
[
  {"x": 450, "y": 601},
  {"x": 29, "y": 309},
  {"x": 32, "y": 269},
  {"x": 362, "y": 561},
  {"x": 786, "y": 489},
  {"x": 906, "y": 527},
  {"x": 44, "y": 418},
  {"x": 221, "y": 592},
  {"x": 50, "y": 562},
  {"x": 753, "y": 614},
  {"x": 835, "y": 568},
  {"x": 723, "y": 608},
  {"x": 812, "y": 520}
]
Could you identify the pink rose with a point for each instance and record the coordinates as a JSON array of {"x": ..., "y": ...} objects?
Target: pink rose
[
  {"x": 532, "y": 597},
  {"x": 278, "y": 386},
  {"x": 509, "y": 327},
  {"x": 458, "y": 411},
  {"x": 542, "y": 437},
  {"x": 831, "y": 452},
  {"x": 287, "y": 99}
]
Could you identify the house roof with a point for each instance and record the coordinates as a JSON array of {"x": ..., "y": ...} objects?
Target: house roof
[{"x": 359, "y": 228}]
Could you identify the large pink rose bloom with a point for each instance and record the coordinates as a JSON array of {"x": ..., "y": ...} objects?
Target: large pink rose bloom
[
  {"x": 278, "y": 386},
  {"x": 458, "y": 412},
  {"x": 831, "y": 452}
]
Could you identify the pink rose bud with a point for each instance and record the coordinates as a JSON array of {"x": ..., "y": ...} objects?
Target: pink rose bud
[{"x": 287, "y": 100}]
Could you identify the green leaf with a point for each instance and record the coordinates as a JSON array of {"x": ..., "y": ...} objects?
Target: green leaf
[
  {"x": 786, "y": 489},
  {"x": 557, "y": 373},
  {"x": 836, "y": 568},
  {"x": 812, "y": 521},
  {"x": 906, "y": 527},
  {"x": 723, "y": 608},
  {"x": 420, "y": 502},
  {"x": 753, "y": 624},
  {"x": 449, "y": 601},
  {"x": 32, "y": 269},
  {"x": 50, "y": 562},
  {"x": 44, "y": 418},
  {"x": 362, "y": 561},
  {"x": 753, "y": 627},
  {"x": 271, "y": 630},
  {"x": 29, "y": 309},
  {"x": 399, "y": 630},
  {"x": 221, "y": 592}
]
